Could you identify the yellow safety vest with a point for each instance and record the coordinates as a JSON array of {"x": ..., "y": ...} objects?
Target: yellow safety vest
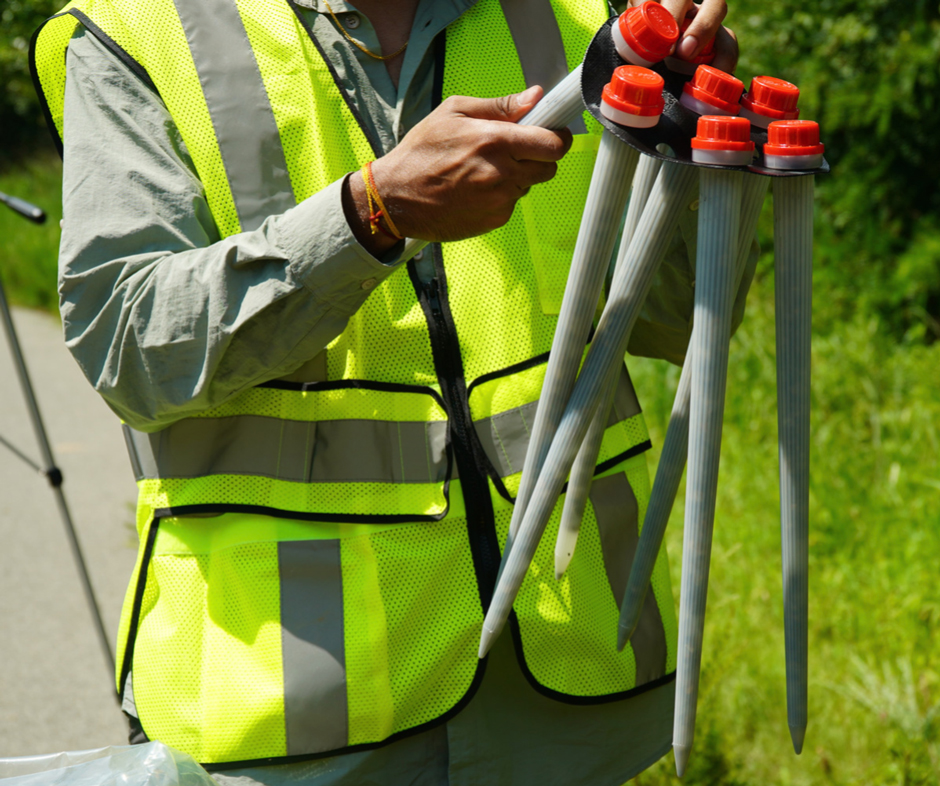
[{"x": 350, "y": 614}]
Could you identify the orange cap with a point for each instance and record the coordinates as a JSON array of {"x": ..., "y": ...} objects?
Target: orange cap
[
  {"x": 773, "y": 98},
  {"x": 716, "y": 88},
  {"x": 636, "y": 91},
  {"x": 649, "y": 30},
  {"x": 793, "y": 138},
  {"x": 717, "y": 132}
]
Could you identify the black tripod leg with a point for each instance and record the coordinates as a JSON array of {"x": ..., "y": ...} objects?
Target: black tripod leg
[{"x": 53, "y": 475}]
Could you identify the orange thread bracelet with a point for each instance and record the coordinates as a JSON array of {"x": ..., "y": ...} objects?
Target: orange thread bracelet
[{"x": 376, "y": 216}]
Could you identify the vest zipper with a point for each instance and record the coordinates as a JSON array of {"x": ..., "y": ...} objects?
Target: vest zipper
[{"x": 469, "y": 454}]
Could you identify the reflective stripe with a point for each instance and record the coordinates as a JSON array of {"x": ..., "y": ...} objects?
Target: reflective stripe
[
  {"x": 539, "y": 44},
  {"x": 505, "y": 437},
  {"x": 329, "y": 451},
  {"x": 334, "y": 451},
  {"x": 313, "y": 646},
  {"x": 251, "y": 151},
  {"x": 616, "y": 510}
]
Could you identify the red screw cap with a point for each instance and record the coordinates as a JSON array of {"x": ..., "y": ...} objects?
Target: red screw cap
[
  {"x": 715, "y": 89},
  {"x": 793, "y": 138},
  {"x": 718, "y": 132},
  {"x": 633, "y": 97},
  {"x": 635, "y": 90},
  {"x": 649, "y": 30},
  {"x": 772, "y": 98}
]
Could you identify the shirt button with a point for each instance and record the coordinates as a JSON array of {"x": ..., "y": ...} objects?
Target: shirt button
[
  {"x": 694, "y": 205},
  {"x": 419, "y": 256},
  {"x": 369, "y": 283},
  {"x": 351, "y": 21}
]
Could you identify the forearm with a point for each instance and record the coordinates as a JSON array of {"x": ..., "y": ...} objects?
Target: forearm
[{"x": 165, "y": 318}]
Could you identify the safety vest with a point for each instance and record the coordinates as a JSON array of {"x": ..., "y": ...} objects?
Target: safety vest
[{"x": 349, "y": 613}]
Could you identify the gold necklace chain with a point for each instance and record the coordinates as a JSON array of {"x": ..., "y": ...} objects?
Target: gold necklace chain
[{"x": 355, "y": 43}]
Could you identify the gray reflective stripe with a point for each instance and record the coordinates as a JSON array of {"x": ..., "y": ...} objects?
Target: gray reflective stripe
[
  {"x": 328, "y": 451},
  {"x": 334, "y": 451},
  {"x": 231, "y": 82},
  {"x": 312, "y": 645},
  {"x": 505, "y": 437},
  {"x": 616, "y": 511},
  {"x": 539, "y": 45}
]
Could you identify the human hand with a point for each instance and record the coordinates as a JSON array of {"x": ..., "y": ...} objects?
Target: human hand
[
  {"x": 461, "y": 170},
  {"x": 707, "y": 17}
]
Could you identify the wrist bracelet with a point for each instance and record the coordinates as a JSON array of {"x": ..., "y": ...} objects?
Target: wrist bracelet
[{"x": 375, "y": 201}]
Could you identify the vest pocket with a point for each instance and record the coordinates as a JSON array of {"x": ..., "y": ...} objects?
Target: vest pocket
[
  {"x": 259, "y": 637},
  {"x": 553, "y": 217},
  {"x": 350, "y": 450}
]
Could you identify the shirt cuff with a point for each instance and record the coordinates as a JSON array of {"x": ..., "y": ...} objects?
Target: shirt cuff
[{"x": 325, "y": 256}]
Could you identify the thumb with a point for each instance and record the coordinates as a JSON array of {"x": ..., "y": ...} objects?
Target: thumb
[{"x": 511, "y": 108}]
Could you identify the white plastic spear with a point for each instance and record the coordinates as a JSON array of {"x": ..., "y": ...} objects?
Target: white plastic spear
[
  {"x": 628, "y": 292},
  {"x": 676, "y": 445},
  {"x": 559, "y": 108},
  {"x": 606, "y": 199},
  {"x": 718, "y": 222},
  {"x": 579, "y": 484},
  {"x": 793, "y": 260}
]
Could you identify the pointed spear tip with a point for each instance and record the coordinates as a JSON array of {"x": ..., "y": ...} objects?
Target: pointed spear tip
[
  {"x": 797, "y": 734},
  {"x": 681, "y": 753},
  {"x": 623, "y": 636},
  {"x": 486, "y": 641},
  {"x": 562, "y": 561}
]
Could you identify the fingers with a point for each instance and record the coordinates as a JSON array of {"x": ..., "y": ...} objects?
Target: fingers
[
  {"x": 678, "y": 8},
  {"x": 510, "y": 109},
  {"x": 530, "y": 143},
  {"x": 531, "y": 173},
  {"x": 726, "y": 50},
  {"x": 704, "y": 27}
]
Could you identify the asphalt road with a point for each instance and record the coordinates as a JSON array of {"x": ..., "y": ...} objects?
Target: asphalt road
[{"x": 55, "y": 691}]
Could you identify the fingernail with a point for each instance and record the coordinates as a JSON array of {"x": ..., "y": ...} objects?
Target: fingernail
[
  {"x": 687, "y": 47},
  {"x": 528, "y": 96}
]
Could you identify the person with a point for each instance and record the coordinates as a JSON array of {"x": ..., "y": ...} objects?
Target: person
[{"x": 327, "y": 435}]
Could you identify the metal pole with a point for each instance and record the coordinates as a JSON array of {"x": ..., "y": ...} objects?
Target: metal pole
[
  {"x": 793, "y": 257},
  {"x": 676, "y": 445},
  {"x": 628, "y": 292},
  {"x": 719, "y": 218},
  {"x": 54, "y": 476},
  {"x": 606, "y": 199},
  {"x": 582, "y": 474}
]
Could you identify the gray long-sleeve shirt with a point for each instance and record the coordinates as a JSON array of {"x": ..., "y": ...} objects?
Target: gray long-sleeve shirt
[{"x": 165, "y": 318}]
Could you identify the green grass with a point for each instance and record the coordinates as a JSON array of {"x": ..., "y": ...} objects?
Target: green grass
[
  {"x": 875, "y": 603},
  {"x": 875, "y": 541},
  {"x": 28, "y": 252}
]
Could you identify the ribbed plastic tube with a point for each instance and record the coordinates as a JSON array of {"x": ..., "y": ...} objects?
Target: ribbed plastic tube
[
  {"x": 606, "y": 199},
  {"x": 793, "y": 264},
  {"x": 676, "y": 445},
  {"x": 628, "y": 292},
  {"x": 559, "y": 108},
  {"x": 582, "y": 474},
  {"x": 718, "y": 222}
]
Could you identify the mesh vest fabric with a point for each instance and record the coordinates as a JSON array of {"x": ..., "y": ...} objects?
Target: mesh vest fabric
[{"x": 201, "y": 629}]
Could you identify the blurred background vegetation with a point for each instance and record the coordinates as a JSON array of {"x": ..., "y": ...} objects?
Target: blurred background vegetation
[{"x": 869, "y": 71}]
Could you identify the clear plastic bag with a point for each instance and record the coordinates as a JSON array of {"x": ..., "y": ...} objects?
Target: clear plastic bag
[{"x": 153, "y": 764}]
